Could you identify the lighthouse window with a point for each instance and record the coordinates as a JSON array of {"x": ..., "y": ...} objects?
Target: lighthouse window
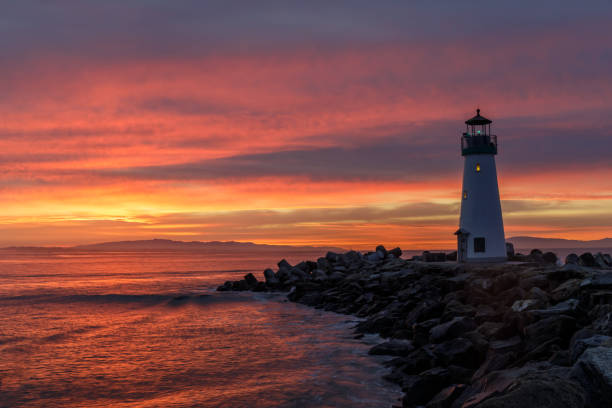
[
  {"x": 465, "y": 195},
  {"x": 479, "y": 244},
  {"x": 477, "y": 167}
]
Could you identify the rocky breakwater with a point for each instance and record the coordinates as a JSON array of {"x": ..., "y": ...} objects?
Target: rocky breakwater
[{"x": 531, "y": 334}]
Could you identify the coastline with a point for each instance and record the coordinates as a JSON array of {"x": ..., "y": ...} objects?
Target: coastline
[{"x": 470, "y": 335}]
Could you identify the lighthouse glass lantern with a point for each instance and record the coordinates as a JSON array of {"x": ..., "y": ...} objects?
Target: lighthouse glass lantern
[{"x": 481, "y": 229}]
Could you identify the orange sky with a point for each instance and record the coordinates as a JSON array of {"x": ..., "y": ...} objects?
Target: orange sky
[{"x": 306, "y": 141}]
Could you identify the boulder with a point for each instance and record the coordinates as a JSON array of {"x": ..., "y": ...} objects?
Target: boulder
[
  {"x": 396, "y": 252},
  {"x": 505, "y": 281},
  {"x": 372, "y": 257},
  {"x": 600, "y": 261},
  {"x": 494, "y": 361},
  {"x": 283, "y": 264},
  {"x": 525, "y": 304},
  {"x": 537, "y": 390},
  {"x": 578, "y": 345},
  {"x": 459, "y": 351},
  {"x": 423, "y": 387},
  {"x": 541, "y": 385},
  {"x": 421, "y": 330},
  {"x": 270, "y": 277},
  {"x": 250, "y": 279},
  {"x": 571, "y": 259},
  {"x": 594, "y": 372},
  {"x": 449, "y": 330},
  {"x": 566, "y": 290},
  {"x": 419, "y": 360},
  {"x": 513, "y": 344},
  {"x": 542, "y": 331},
  {"x": 332, "y": 257},
  {"x": 569, "y": 307},
  {"x": 393, "y": 348},
  {"x": 599, "y": 281},
  {"x": 587, "y": 259},
  {"x": 485, "y": 313},
  {"x": 550, "y": 257},
  {"x": 336, "y": 276},
  {"x": 446, "y": 397},
  {"x": 381, "y": 251},
  {"x": 455, "y": 308},
  {"x": 536, "y": 255},
  {"x": 490, "y": 329},
  {"x": 319, "y": 275},
  {"x": 227, "y": 286}
]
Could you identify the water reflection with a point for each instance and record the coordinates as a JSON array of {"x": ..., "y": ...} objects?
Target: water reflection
[{"x": 124, "y": 339}]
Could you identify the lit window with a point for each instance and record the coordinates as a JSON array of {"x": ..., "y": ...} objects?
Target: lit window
[
  {"x": 465, "y": 195},
  {"x": 477, "y": 167}
]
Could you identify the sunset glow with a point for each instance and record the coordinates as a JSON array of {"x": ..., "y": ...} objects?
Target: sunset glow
[{"x": 299, "y": 134}]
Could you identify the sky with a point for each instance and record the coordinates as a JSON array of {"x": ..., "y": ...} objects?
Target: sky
[{"x": 303, "y": 123}]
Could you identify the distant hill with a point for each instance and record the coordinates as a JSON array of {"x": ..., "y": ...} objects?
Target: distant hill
[
  {"x": 170, "y": 245},
  {"x": 534, "y": 242}
]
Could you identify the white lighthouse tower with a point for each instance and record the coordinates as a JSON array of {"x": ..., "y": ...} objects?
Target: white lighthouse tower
[{"x": 481, "y": 229}]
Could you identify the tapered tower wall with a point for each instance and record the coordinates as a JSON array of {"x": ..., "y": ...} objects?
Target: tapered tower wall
[{"x": 481, "y": 213}]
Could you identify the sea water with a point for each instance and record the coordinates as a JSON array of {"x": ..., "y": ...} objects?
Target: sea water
[{"x": 147, "y": 329}]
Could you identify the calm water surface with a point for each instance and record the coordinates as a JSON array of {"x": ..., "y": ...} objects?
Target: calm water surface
[{"x": 91, "y": 329}]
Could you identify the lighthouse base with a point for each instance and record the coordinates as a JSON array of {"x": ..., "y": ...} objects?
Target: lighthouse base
[{"x": 492, "y": 259}]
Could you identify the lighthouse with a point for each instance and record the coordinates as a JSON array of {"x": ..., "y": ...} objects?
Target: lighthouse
[{"x": 481, "y": 229}]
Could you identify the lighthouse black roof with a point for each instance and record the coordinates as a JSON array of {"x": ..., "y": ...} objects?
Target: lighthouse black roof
[{"x": 478, "y": 120}]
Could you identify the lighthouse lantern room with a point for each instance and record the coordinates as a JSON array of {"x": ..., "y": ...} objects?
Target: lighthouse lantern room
[{"x": 481, "y": 229}]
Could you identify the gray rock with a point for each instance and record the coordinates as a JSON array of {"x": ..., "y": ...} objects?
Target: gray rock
[
  {"x": 550, "y": 257},
  {"x": 490, "y": 329},
  {"x": 451, "y": 329},
  {"x": 534, "y": 385},
  {"x": 396, "y": 252},
  {"x": 393, "y": 348},
  {"x": 600, "y": 281},
  {"x": 538, "y": 390},
  {"x": 381, "y": 252},
  {"x": 250, "y": 279},
  {"x": 446, "y": 397},
  {"x": 566, "y": 290},
  {"x": 283, "y": 264},
  {"x": 373, "y": 257},
  {"x": 319, "y": 275},
  {"x": 337, "y": 276},
  {"x": 420, "y": 389},
  {"x": 458, "y": 351},
  {"x": 270, "y": 277},
  {"x": 578, "y": 346},
  {"x": 525, "y": 304},
  {"x": 503, "y": 346},
  {"x": 600, "y": 261},
  {"x": 571, "y": 259},
  {"x": 569, "y": 307},
  {"x": 594, "y": 372},
  {"x": 542, "y": 331},
  {"x": 537, "y": 293},
  {"x": 587, "y": 259}
]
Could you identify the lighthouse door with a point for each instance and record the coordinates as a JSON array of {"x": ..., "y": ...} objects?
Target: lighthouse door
[{"x": 461, "y": 247}]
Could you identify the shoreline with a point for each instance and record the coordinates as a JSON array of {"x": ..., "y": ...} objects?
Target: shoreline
[{"x": 470, "y": 335}]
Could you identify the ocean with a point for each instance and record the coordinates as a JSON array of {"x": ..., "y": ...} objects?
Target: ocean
[{"x": 147, "y": 329}]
